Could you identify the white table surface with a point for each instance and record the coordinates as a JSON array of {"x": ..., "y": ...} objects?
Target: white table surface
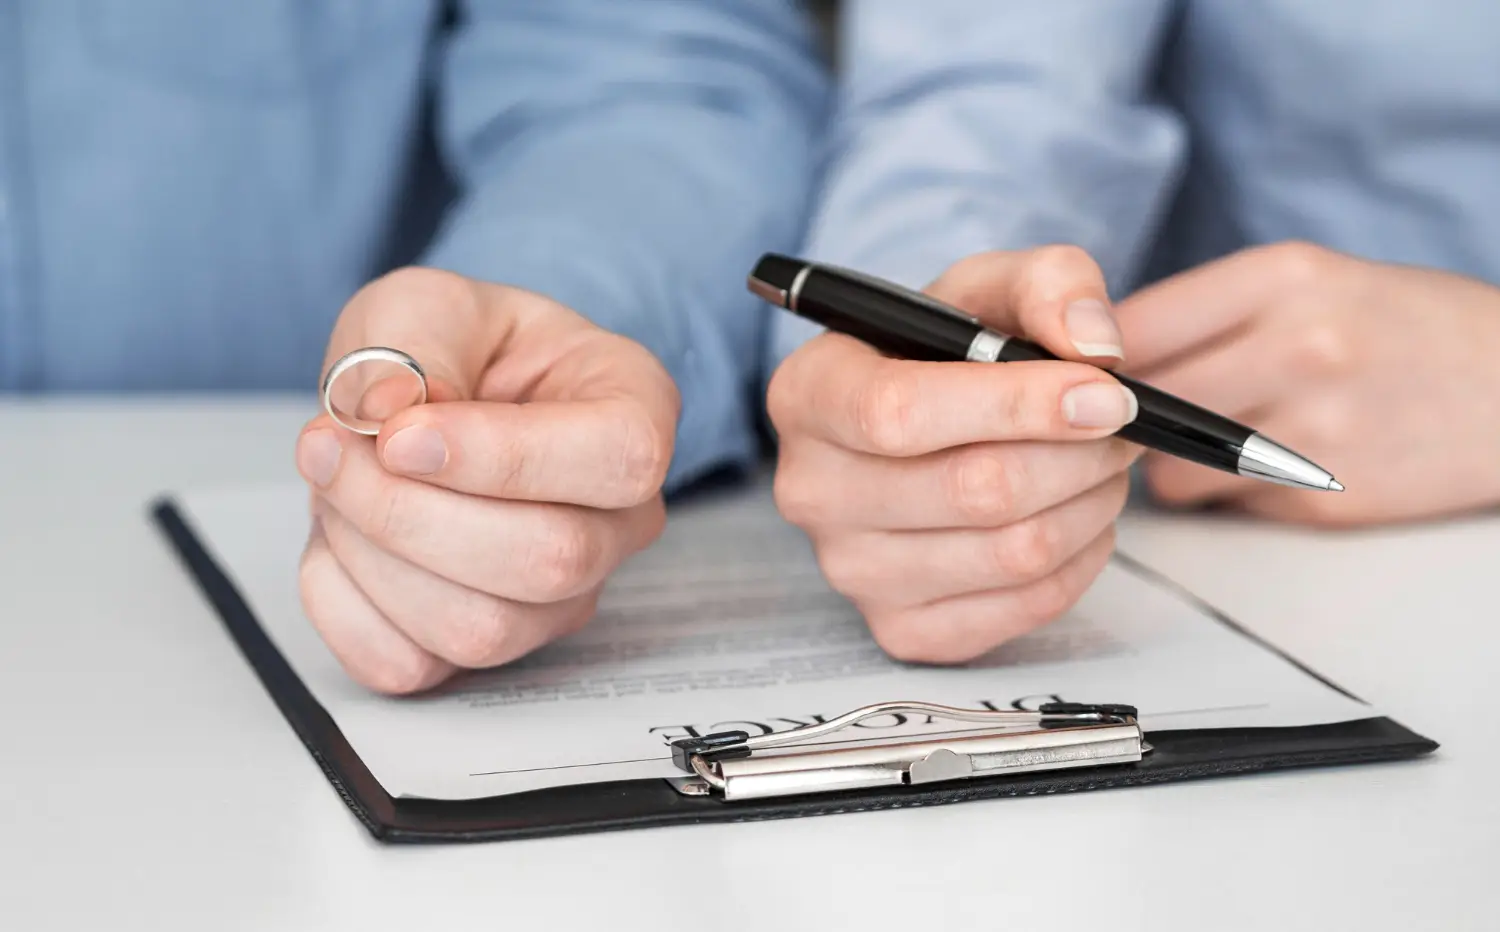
[{"x": 147, "y": 782}]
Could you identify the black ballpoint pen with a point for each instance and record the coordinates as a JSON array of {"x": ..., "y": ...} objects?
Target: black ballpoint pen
[{"x": 909, "y": 325}]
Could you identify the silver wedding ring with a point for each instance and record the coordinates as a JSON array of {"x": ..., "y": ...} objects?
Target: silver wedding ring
[{"x": 367, "y": 354}]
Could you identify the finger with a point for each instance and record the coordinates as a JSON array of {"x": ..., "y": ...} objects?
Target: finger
[
  {"x": 984, "y": 485},
  {"x": 371, "y": 650},
  {"x": 463, "y": 626},
  {"x": 1207, "y": 304},
  {"x": 967, "y": 627},
  {"x": 611, "y": 452},
  {"x": 452, "y": 326},
  {"x": 1053, "y": 295},
  {"x": 1247, "y": 371},
  {"x": 836, "y": 389},
  {"x": 903, "y": 569},
  {"x": 526, "y": 551}
]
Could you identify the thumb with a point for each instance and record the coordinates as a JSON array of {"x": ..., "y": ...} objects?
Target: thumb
[
  {"x": 1054, "y": 296},
  {"x": 443, "y": 321}
]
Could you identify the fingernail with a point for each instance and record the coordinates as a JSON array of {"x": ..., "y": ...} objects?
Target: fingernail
[
  {"x": 416, "y": 451},
  {"x": 1099, "y": 404},
  {"x": 1092, "y": 329},
  {"x": 318, "y": 457}
]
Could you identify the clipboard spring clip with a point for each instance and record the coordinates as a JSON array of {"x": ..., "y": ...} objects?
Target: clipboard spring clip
[{"x": 1061, "y": 735}]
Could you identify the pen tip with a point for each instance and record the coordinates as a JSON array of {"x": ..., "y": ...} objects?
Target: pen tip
[{"x": 1335, "y": 486}]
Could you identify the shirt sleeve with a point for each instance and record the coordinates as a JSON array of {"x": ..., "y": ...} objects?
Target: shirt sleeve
[
  {"x": 963, "y": 127},
  {"x": 631, "y": 159}
]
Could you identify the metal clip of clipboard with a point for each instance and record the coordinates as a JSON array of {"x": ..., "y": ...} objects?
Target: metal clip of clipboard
[{"x": 1063, "y": 735}]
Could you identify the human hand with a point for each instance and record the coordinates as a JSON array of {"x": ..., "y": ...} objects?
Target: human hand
[
  {"x": 477, "y": 527},
  {"x": 959, "y": 505},
  {"x": 1384, "y": 375}
]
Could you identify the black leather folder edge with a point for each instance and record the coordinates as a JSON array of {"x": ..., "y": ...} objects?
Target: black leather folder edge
[{"x": 595, "y": 807}]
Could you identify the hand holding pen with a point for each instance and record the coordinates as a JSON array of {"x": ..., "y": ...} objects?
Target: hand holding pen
[
  {"x": 960, "y": 506},
  {"x": 909, "y": 325}
]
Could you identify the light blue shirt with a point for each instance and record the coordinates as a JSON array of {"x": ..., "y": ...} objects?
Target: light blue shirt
[
  {"x": 191, "y": 189},
  {"x": 1158, "y": 134}
]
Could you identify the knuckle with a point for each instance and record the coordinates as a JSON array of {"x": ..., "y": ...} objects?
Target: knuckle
[
  {"x": 905, "y": 638},
  {"x": 974, "y": 265},
  {"x": 1323, "y": 349},
  {"x": 796, "y": 495},
  {"x": 1060, "y": 264},
  {"x": 972, "y": 274},
  {"x": 981, "y": 486},
  {"x": 408, "y": 670},
  {"x": 845, "y": 569},
  {"x": 1049, "y": 597},
  {"x": 905, "y": 641},
  {"x": 1330, "y": 424},
  {"x": 561, "y": 561},
  {"x": 481, "y": 635},
  {"x": 1026, "y": 551},
  {"x": 886, "y": 411},
  {"x": 430, "y": 284},
  {"x": 1299, "y": 262}
]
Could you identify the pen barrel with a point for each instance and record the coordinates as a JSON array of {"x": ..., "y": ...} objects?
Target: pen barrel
[
  {"x": 883, "y": 318},
  {"x": 1164, "y": 422},
  {"x": 1182, "y": 429}
]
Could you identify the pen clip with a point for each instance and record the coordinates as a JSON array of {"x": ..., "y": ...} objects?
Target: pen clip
[{"x": 1062, "y": 734}]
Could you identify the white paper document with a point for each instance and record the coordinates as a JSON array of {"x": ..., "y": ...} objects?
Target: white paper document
[{"x": 726, "y": 623}]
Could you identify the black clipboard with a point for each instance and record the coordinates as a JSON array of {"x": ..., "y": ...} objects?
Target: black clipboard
[{"x": 1175, "y": 755}]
